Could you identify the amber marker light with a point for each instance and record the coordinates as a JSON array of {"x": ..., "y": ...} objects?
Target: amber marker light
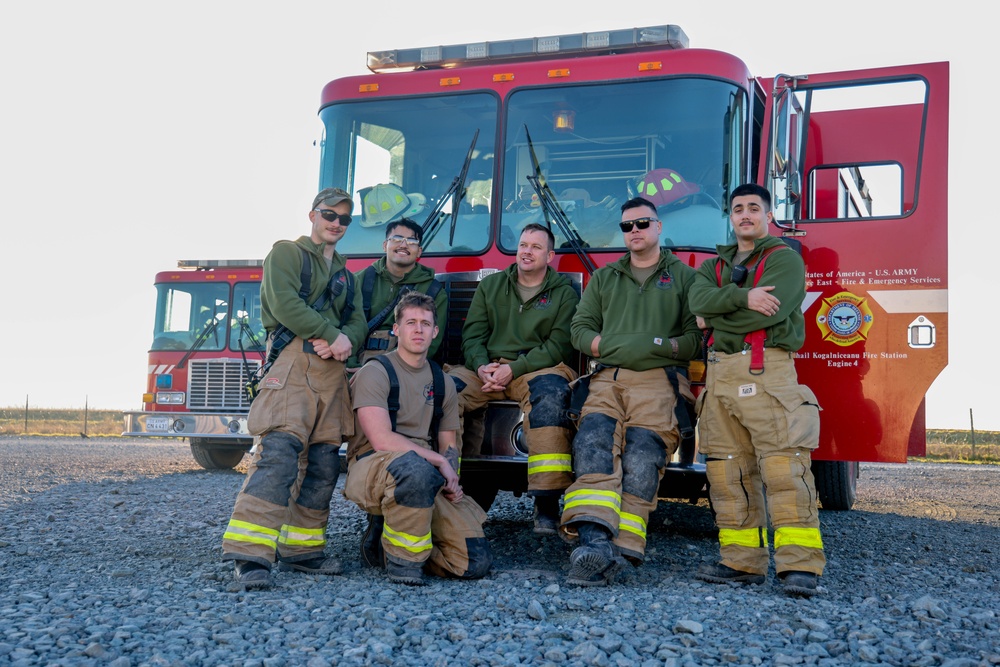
[
  {"x": 651, "y": 66},
  {"x": 558, "y": 73},
  {"x": 450, "y": 81},
  {"x": 503, "y": 78},
  {"x": 368, "y": 88}
]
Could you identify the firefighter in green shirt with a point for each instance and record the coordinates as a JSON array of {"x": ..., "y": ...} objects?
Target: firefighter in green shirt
[
  {"x": 757, "y": 424},
  {"x": 384, "y": 282},
  {"x": 516, "y": 345},
  {"x": 303, "y": 412},
  {"x": 635, "y": 322}
]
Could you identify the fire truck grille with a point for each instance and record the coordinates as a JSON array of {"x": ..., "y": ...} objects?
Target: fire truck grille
[
  {"x": 219, "y": 384},
  {"x": 460, "y": 293}
]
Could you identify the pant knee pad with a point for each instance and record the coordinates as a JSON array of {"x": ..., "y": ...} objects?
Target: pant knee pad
[
  {"x": 276, "y": 469},
  {"x": 417, "y": 481},
  {"x": 593, "y": 445},
  {"x": 480, "y": 557},
  {"x": 643, "y": 458},
  {"x": 549, "y": 398},
  {"x": 321, "y": 476}
]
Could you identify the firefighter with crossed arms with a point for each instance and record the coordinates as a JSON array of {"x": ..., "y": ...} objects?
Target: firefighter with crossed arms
[
  {"x": 303, "y": 411},
  {"x": 757, "y": 424},
  {"x": 403, "y": 467},
  {"x": 516, "y": 344},
  {"x": 635, "y": 322}
]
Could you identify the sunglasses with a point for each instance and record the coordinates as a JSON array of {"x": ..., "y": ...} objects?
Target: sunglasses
[
  {"x": 332, "y": 216},
  {"x": 411, "y": 241},
  {"x": 641, "y": 223}
]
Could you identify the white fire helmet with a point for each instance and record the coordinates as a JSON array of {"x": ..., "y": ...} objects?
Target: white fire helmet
[{"x": 387, "y": 202}]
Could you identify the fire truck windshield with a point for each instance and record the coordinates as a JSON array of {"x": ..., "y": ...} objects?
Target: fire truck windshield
[
  {"x": 680, "y": 142},
  {"x": 399, "y": 157},
  {"x": 676, "y": 142},
  {"x": 190, "y": 315}
]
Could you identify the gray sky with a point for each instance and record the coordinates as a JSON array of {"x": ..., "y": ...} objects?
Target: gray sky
[{"x": 133, "y": 135}]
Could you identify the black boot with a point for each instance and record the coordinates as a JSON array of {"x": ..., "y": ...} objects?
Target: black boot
[
  {"x": 546, "y": 515},
  {"x": 252, "y": 575},
  {"x": 404, "y": 572},
  {"x": 371, "y": 542},
  {"x": 597, "y": 560}
]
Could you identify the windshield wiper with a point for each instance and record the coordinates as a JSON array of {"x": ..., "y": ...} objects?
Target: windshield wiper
[
  {"x": 208, "y": 329},
  {"x": 456, "y": 191},
  {"x": 554, "y": 211},
  {"x": 244, "y": 321}
]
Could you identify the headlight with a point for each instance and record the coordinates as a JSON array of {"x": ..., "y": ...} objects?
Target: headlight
[{"x": 170, "y": 398}]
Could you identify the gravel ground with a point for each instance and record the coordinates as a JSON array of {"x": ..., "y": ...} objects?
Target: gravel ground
[{"x": 110, "y": 556}]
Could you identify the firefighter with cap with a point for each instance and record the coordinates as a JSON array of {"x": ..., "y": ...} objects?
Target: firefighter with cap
[
  {"x": 634, "y": 321},
  {"x": 516, "y": 344},
  {"x": 757, "y": 424},
  {"x": 302, "y": 413},
  {"x": 403, "y": 467}
]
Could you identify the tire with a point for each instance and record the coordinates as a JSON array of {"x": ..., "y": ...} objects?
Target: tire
[
  {"x": 214, "y": 457},
  {"x": 836, "y": 483}
]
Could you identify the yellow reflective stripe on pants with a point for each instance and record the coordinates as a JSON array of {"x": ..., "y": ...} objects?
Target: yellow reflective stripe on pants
[
  {"x": 414, "y": 543},
  {"x": 803, "y": 537},
  {"x": 302, "y": 537},
  {"x": 743, "y": 537},
  {"x": 593, "y": 497},
  {"x": 550, "y": 463},
  {"x": 632, "y": 523},
  {"x": 242, "y": 531}
]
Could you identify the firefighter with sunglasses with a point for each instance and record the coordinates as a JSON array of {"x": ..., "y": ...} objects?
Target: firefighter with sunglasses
[
  {"x": 302, "y": 413},
  {"x": 634, "y": 321}
]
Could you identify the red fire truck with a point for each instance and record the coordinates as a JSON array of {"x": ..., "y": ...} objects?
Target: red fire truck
[{"x": 476, "y": 140}]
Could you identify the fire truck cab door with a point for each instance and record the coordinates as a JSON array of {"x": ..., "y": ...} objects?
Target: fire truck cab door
[
  {"x": 826, "y": 135},
  {"x": 857, "y": 164}
]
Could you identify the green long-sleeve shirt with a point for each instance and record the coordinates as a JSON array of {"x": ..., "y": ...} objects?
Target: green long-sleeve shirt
[
  {"x": 534, "y": 334},
  {"x": 384, "y": 292},
  {"x": 280, "y": 301},
  {"x": 725, "y": 308},
  {"x": 641, "y": 326}
]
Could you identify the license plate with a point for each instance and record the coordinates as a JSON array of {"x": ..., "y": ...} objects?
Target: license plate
[{"x": 157, "y": 423}]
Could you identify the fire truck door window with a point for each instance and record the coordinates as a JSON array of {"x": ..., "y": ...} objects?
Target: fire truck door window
[
  {"x": 861, "y": 155},
  {"x": 596, "y": 146},
  {"x": 856, "y": 191},
  {"x": 403, "y": 158},
  {"x": 189, "y": 312}
]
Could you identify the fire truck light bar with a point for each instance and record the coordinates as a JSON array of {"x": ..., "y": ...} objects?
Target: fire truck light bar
[
  {"x": 217, "y": 263},
  {"x": 560, "y": 46}
]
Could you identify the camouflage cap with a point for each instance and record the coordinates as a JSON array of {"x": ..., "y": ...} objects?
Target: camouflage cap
[{"x": 332, "y": 197}]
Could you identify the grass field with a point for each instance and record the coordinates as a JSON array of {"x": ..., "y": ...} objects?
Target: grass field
[{"x": 942, "y": 445}]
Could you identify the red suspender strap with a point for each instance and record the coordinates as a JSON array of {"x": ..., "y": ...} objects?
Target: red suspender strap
[{"x": 756, "y": 338}]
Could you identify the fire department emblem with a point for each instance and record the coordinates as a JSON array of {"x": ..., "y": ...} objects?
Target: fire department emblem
[
  {"x": 543, "y": 301},
  {"x": 429, "y": 393},
  {"x": 666, "y": 281},
  {"x": 844, "y": 319}
]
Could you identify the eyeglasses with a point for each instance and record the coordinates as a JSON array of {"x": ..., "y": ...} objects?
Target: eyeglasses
[
  {"x": 411, "y": 241},
  {"x": 641, "y": 223},
  {"x": 332, "y": 216}
]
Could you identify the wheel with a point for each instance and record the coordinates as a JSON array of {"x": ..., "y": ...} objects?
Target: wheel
[
  {"x": 215, "y": 457},
  {"x": 836, "y": 483}
]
